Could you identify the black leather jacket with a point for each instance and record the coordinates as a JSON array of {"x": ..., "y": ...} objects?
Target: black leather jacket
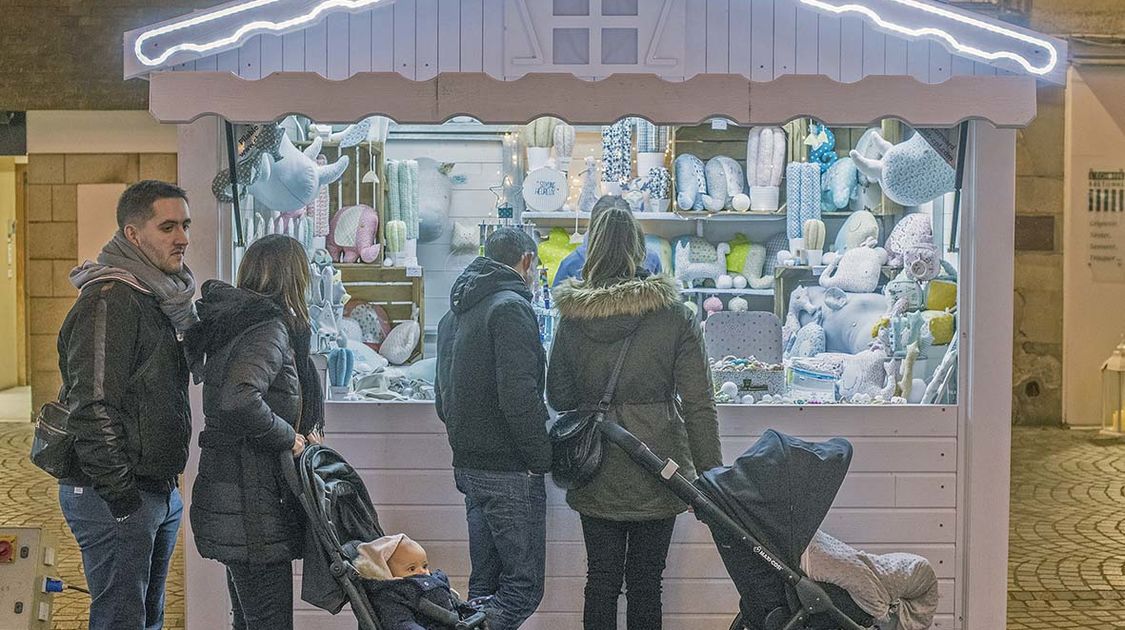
[{"x": 125, "y": 380}]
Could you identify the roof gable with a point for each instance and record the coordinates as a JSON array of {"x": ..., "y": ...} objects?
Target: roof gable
[{"x": 846, "y": 40}]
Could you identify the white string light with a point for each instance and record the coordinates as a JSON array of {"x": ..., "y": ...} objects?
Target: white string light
[
  {"x": 929, "y": 31},
  {"x": 242, "y": 32}
]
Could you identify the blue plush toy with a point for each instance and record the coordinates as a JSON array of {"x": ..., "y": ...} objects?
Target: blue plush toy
[
  {"x": 823, "y": 146},
  {"x": 840, "y": 184},
  {"x": 911, "y": 173},
  {"x": 341, "y": 363}
]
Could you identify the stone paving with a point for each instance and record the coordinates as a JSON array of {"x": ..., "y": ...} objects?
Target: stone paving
[
  {"x": 1067, "y": 550},
  {"x": 31, "y": 499},
  {"x": 1066, "y": 565}
]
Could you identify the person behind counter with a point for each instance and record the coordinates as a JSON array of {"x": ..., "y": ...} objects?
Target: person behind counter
[
  {"x": 261, "y": 399},
  {"x": 663, "y": 396},
  {"x": 571, "y": 266},
  {"x": 125, "y": 382},
  {"x": 489, "y": 393}
]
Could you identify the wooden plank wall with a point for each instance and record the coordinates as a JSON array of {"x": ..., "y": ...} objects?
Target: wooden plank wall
[
  {"x": 761, "y": 39},
  {"x": 899, "y": 496}
]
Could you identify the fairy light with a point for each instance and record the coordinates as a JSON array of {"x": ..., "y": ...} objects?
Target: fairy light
[{"x": 929, "y": 31}]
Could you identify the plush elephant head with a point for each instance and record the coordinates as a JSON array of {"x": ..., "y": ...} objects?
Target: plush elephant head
[
  {"x": 434, "y": 205},
  {"x": 691, "y": 183},
  {"x": 847, "y": 318},
  {"x": 724, "y": 181},
  {"x": 292, "y": 182},
  {"x": 911, "y": 173}
]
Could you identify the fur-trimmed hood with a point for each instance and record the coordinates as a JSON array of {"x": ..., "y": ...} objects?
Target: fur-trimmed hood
[{"x": 609, "y": 313}]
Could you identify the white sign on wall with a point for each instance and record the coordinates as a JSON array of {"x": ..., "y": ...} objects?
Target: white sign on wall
[{"x": 1105, "y": 221}]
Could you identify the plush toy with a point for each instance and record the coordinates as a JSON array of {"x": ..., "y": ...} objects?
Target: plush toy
[
  {"x": 395, "y": 234},
  {"x": 352, "y": 234},
  {"x": 912, "y": 230},
  {"x": 740, "y": 282},
  {"x": 409, "y": 197},
  {"x": 589, "y": 194},
  {"x": 648, "y": 137},
  {"x": 564, "y": 145},
  {"x": 292, "y": 181},
  {"x": 663, "y": 250},
  {"x": 809, "y": 340},
  {"x": 257, "y": 142},
  {"x": 724, "y": 180},
  {"x": 911, "y": 173},
  {"x": 657, "y": 186},
  {"x": 341, "y": 364},
  {"x": 941, "y": 294},
  {"x": 766, "y": 148},
  {"x": 839, "y": 185},
  {"x": 803, "y": 198},
  {"x": 373, "y": 323},
  {"x": 617, "y": 151},
  {"x": 860, "y": 227},
  {"x": 941, "y": 325},
  {"x": 712, "y": 305},
  {"x": 691, "y": 185},
  {"x": 553, "y": 250},
  {"x": 903, "y": 288},
  {"x": 697, "y": 259},
  {"x": 738, "y": 305},
  {"x": 433, "y": 207},
  {"x": 724, "y": 282},
  {"x": 847, "y": 318},
  {"x": 400, "y": 343},
  {"x": 814, "y": 240},
  {"x": 922, "y": 262},
  {"x": 863, "y": 374},
  {"x": 822, "y": 143},
  {"x": 319, "y": 209},
  {"x": 857, "y": 271},
  {"x": 774, "y": 246}
]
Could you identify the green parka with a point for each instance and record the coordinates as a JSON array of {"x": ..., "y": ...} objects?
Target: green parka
[{"x": 664, "y": 395}]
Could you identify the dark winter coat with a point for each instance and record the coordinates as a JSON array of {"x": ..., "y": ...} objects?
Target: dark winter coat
[
  {"x": 490, "y": 373},
  {"x": 125, "y": 382},
  {"x": 242, "y": 510},
  {"x": 664, "y": 394},
  {"x": 396, "y": 601}
]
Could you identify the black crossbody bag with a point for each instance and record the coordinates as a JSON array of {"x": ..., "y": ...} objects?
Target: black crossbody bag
[
  {"x": 576, "y": 439},
  {"x": 52, "y": 448}
]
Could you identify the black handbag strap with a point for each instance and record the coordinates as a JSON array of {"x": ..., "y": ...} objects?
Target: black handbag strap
[{"x": 611, "y": 387}]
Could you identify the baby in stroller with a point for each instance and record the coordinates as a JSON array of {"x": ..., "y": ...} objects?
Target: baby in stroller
[{"x": 404, "y": 592}]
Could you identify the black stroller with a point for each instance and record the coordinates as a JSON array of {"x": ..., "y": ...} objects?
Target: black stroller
[
  {"x": 338, "y": 510},
  {"x": 763, "y": 512}
]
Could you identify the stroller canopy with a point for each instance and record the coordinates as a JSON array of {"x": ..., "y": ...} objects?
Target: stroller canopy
[{"x": 780, "y": 489}]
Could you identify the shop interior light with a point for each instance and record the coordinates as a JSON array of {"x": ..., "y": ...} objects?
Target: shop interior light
[
  {"x": 930, "y": 31},
  {"x": 245, "y": 30}
]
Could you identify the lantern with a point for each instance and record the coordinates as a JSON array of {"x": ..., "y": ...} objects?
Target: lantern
[{"x": 1113, "y": 391}]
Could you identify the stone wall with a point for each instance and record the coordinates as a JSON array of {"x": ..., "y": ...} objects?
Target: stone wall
[{"x": 52, "y": 214}]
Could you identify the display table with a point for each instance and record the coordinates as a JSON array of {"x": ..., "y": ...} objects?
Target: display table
[{"x": 901, "y": 495}]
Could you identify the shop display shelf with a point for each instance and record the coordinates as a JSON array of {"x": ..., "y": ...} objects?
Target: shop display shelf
[
  {"x": 655, "y": 217},
  {"x": 712, "y": 291}
]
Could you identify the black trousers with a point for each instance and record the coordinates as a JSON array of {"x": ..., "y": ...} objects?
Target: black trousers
[
  {"x": 629, "y": 552},
  {"x": 261, "y": 596}
]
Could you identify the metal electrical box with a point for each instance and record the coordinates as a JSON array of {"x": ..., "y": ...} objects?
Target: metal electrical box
[{"x": 27, "y": 559}]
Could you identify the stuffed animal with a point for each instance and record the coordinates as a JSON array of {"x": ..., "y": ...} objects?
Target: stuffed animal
[
  {"x": 433, "y": 207},
  {"x": 691, "y": 185},
  {"x": 839, "y": 184},
  {"x": 617, "y": 151},
  {"x": 401, "y": 341},
  {"x": 922, "y": 262},
  {"x": 738, "y": 305},
  {"x": 860, "y": 227},
  {"x": 697, "y": 259},
  {"x": 553, "y": 250},
  {"x": 857, "y": 271},
  {"x": 911, "y": 173},
  {"x": 712, "y": 305},
  {"x": 913, "y": 229},
  {"x": 724, "y": 180},
  {"x": 352, "y": 235},
  {"x": 292, "y": 181},
  {"x": 903, "y": 288},
  {"x": 774, "y": 246},
  {"x": 258, "y": 141},
  {"x": 822, "y": 143},
  {"x": 863, "y": 374},
  {"x": 809, "y": 340},
  {"x": 373, "y": 323},
  {"x": 765, "y": 156},
  {"x": 341, "y": 364},
  {"x": 803, "y": 198},
  {"x": 663, "y": 250},
  {"x": 589, "y": 194},
  {"x": 847, "y": 318}
]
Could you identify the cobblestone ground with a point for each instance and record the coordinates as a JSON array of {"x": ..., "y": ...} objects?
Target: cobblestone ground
[
  {"x": 31, "y": 499},
  {"x": 1066, "y": 565}
]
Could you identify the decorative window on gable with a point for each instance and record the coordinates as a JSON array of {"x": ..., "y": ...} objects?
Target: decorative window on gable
[{"x": 594, "y": 38}]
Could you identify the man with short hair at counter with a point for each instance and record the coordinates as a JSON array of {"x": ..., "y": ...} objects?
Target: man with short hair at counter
[{"x": 489, "y": 391}]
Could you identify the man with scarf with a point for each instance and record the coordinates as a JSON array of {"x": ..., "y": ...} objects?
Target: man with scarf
[{"x": 125, "y": 381}]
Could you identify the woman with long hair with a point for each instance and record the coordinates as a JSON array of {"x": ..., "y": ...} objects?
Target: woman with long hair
[
  {"x": 663, "y": 396},
  {"x": 262, "y": 398}
]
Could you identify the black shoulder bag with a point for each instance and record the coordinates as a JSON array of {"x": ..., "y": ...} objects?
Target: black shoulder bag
[
  {"x": 576, "y": 440},
  {"x": 52, "y": 448}
]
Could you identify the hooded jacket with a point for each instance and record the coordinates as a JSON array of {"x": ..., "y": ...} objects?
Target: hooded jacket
[
  {"x": 663, "y": 395},
  {"x": 242, "y": 510},
  {"x": 490, "y": 373},
  {"x": 125, "y": 382}
]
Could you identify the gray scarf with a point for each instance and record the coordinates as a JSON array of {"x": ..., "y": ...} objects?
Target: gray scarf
[{"x": 122, "y": 261}]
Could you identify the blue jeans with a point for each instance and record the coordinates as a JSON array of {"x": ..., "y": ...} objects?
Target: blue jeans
[
  {"x": 125, "y": 563},
  {"x": 507, "y": 516}
]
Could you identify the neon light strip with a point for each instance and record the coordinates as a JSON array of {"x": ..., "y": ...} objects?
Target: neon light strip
[
  {"x": 948, "y": 38},
  {"x": 244, "y": 31}
]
